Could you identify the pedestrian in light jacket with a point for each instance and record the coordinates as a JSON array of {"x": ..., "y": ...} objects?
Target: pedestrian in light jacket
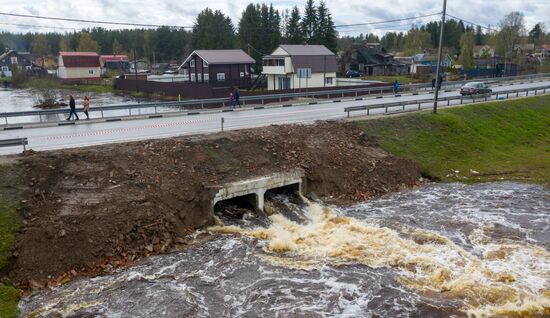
[
  {"x": 86, "y": 105},
  {"x": 72, "y": 106}
]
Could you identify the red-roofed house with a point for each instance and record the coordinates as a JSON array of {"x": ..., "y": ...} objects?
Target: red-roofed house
[{"x": 78, "y": 66}]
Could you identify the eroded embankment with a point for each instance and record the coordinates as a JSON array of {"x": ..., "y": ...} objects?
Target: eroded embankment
[{"x": 91, "y": 209}]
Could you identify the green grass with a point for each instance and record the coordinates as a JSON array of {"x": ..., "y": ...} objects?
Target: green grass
[
  {"x": 500, "y": 140},
  {"x": 401, "y": 79},
  {"x": 9, "y": 297},
  {"x": 10, "y": 189}
]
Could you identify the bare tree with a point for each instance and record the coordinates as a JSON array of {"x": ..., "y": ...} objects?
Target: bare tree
[
  {"x": 46, "y": 93},
  {"x": 512, "y": 28}
]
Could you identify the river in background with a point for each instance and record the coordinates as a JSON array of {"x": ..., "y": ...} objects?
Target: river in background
[
  {"x": 16, "y": 100},
  {"x": 445, "y": 250}
]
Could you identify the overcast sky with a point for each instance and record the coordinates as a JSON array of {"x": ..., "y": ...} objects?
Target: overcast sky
[{"x": 183, "y": 12}]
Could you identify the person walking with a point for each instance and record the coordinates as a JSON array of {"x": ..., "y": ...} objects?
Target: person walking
[
  {"x": 439, "y": 82},
  {"x": 232, "y": 100},
  {"x": 433, "y": 83},
  {"x": 395, "y": 87},
  {"x": 86, "y": 105},
  {"x": 237, "y": 96},
  {"x": 72, "y": 106}
]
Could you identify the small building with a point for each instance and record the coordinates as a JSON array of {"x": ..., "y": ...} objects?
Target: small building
[
  {"x": 372, "y": 59},
  {"x": 525, "y": 48},
  {"x": 484, "y": 51},
  {"x": 114, "y": 62},
  {"x": 431, "y": 60},
  {"x": 143, "y": 66},
  {"x": 79, "y": 66},
  {"x": 11, "y": 60},
  {"x": 218, "y": 68},
  {"x": 300, "y": 66}
]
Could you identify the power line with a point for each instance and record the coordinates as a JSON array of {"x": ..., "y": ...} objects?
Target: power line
[
  {"x": 94, "y": 21},
  {"x": 469, "y": 22},
  {"x": 387, "y": 21}
]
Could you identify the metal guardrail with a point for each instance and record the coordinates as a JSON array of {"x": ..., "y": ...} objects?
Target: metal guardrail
[
  {"x": 179, "y": 106},
  {"x": 15, "y": 142},
  {"x": 448, "y": 99}
]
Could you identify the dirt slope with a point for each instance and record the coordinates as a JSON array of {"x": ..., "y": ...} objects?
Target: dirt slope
[{"x": 91, "y": 209}]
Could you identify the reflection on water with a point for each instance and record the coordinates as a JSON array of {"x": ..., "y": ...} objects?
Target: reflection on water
[{"x": 446, "y": 250}]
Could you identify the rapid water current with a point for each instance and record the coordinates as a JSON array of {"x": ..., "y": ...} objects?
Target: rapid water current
[{"x": 444, "y": 250}]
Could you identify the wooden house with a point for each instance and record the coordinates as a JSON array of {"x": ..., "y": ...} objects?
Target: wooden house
[{"x": 218, "y": 68}]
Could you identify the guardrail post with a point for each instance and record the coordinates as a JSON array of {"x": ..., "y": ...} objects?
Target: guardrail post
[
  {"x": 535, "y": 92},
  {"x": 517, "y": 94},
  {"x": 102, "y": 113},
  {"x": 348, "y": 113},
  {"x": 460, "y": 100},
  {"x": 386, "y": 109},
  {"x": 155, "y": 109},
  {"x": 368, "y": 111},
  {"x": 419, "y": 106},
  {"x": 40, "y": 117},
  {"x": 448, "y": 102},
  {"x": 527, "y": 92},
  {"x": 507, "y": 95},
  {"x": 223, "y": 120}
]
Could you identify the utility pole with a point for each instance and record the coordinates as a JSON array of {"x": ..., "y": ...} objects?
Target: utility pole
[
  {"x": 439, "y": 53},
  {"x": 135, "y": 71}
]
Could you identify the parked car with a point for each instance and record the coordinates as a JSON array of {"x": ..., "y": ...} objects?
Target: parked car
[
  {"x": 475, "y": 88},
  {"x": 353, "y": 73}
]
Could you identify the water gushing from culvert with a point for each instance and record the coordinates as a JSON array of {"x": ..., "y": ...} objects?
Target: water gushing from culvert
[{"x": 446, "y": 250}]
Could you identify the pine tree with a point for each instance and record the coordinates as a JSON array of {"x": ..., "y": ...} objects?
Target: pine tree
[
  {"x": 479, "y": 36},
  {"x": 213, "y": 30},
  {"x": 309, "y": 22},
  {"x": 40, "y": 46},
  {"x": 293, "y": 28},
  {"x": 331, "y": 37}
]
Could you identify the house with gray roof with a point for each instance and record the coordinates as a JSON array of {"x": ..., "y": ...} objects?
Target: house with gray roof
[
  {"x": 10, "y": 60},
  {"x": 218, "y": 68},
  {"x": 300, "y": 66}
]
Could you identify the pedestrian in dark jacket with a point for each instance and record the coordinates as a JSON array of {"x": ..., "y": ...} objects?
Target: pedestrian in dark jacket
[
  {"x": 433, "y": 83},
  {"x": 237, "y": 96},
  {"x": 439, "y": 82},
  {"x": 72, "y": 106}
]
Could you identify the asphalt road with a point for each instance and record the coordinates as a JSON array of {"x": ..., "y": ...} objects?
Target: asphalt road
[{"x": 94, "y": 133}]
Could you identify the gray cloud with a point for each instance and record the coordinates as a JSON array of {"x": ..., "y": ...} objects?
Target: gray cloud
[{"x": 177, "y": 12}]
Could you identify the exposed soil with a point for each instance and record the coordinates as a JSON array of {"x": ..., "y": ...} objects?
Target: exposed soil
[{"x": 92, "y": 209}]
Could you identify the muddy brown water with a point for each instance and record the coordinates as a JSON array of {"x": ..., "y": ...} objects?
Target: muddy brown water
[{"x": 445, "y": 250}]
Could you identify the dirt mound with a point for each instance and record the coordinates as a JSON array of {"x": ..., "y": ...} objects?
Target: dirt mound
[{"x": 91, "y": 209}]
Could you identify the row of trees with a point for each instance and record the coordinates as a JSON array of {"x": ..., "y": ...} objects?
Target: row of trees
[{"x": 260, "y": 30}]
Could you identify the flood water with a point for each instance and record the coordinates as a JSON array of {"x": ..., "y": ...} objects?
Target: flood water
[
  {"x": 445, "y": 250},
  {"x": 17, "y": 100}
]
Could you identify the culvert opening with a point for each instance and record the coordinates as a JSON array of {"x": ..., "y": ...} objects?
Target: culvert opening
[
  {"x": 286, "y": 200},
  {"x": 240, "y": 211}
]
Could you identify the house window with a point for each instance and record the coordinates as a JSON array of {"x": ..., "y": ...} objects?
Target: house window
[
  {"x": 242, "y": 74},
  {"x": 91, "y": 72},
  {"x": 199, "y": 77},
  {"x": 192, "y": 77},
  {"x": 304, "y": 73},
  {"x": 328, "y": 80},
  {"x": 14, "y": 60},
  {"x": 204, "y": 64},
  {"x": 5, "y": 68},
  {"x": 192, "y": 63},
  {"x": 220, "y": 77},
  {"x": 206, "y": 76},
  {"x": 28, "y": 68}
]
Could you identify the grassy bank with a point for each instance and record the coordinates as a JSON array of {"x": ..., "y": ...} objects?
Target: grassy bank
[
  {"x": 10, "y": 189},
  {"x": 494, "y": 141}
]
